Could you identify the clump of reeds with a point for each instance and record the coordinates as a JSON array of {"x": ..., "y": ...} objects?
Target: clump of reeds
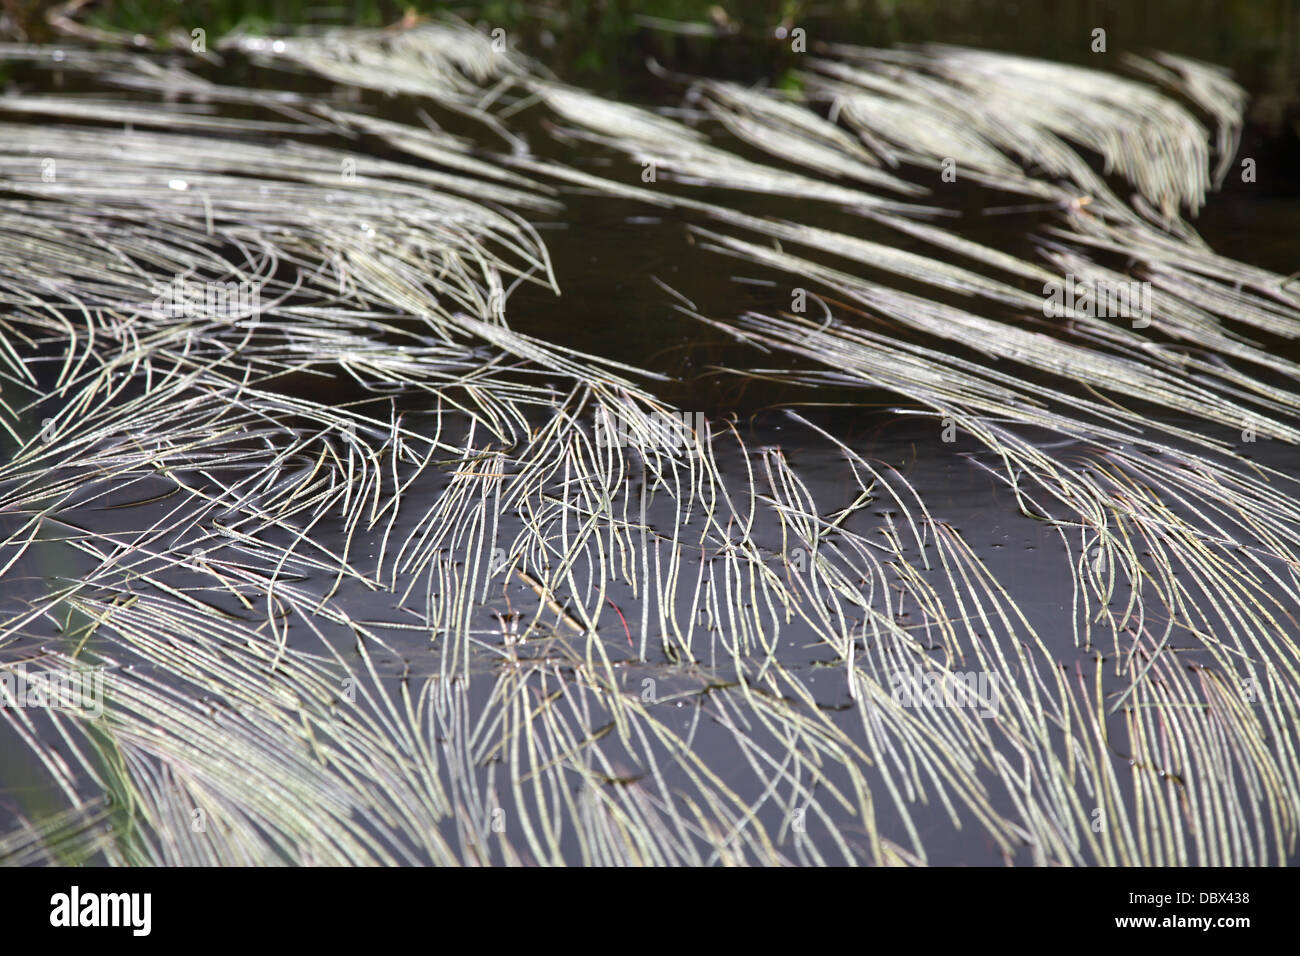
[{"x": 446, "y": 619}]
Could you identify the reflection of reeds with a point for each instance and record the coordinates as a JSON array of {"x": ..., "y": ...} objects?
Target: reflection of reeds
[{"x": 285, "y": 558}]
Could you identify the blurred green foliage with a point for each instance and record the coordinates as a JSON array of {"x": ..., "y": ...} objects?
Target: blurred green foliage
[{"x": 610, "y": 39}]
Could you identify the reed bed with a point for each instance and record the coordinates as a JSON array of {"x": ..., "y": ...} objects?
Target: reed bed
[{"x": 439, "y": 616}]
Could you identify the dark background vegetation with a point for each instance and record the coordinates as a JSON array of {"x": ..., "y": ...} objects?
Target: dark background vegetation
[{"x": 599, "y": 42}]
